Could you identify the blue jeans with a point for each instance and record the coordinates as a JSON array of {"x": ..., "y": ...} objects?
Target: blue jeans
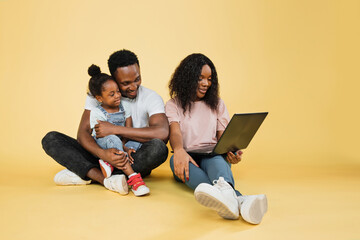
[
  {"x": 210, "y": 169},
  {"x": 110, "y": 141},
  {"x": 113, "y": 141}
]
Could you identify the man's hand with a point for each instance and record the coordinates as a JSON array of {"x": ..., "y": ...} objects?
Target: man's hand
[
  {"x": 115, "y": 157},
  {"x": 103, "y": 129},
  {"x": 234, "y": 158}
]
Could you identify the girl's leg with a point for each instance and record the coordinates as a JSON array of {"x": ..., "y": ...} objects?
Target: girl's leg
[
  {"x": 110, "y": 141},
  {"x": 216, "y": 167},
  {"x": 136, "y": 182},
  {"x": 196, "y": 175}
]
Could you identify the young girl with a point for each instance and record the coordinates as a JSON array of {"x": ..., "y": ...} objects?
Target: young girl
[
  {"x": 197, "y": 118},
  {"x": 104, "y": 88}
]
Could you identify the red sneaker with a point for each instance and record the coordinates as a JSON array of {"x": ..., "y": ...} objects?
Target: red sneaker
[
  {"x": 106, "y": 168},
  {"x": 138, "y": 185}
]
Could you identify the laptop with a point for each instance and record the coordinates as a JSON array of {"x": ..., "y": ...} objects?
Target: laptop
[{"x": 237, "y": 135}]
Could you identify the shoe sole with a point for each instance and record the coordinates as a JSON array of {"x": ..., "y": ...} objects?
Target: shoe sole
[
  {"x": 72, "y": 180},
  {"x": 143, "y": 193},
  {"x": 125, "y": 186},
  {"x": 215, "y": 204},
  {"x": 103, "y": 170},
  {"x": 253, "y": 211}
]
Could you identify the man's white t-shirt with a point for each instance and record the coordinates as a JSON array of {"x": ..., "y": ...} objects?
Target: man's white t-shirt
[{"x": 146, "y": 104}]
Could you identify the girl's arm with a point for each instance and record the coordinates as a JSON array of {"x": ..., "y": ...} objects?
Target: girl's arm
[{"x": 181, "y": 157}]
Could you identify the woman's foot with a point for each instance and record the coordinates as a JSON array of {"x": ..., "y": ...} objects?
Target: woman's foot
[
  {"x": 220, "y": 197},
  {"x": 138, "y": 186},
  {"x": 253, "y": 207}
]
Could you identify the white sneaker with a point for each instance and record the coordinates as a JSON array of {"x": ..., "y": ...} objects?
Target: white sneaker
[
  {"x": 221, "y": 197},
  {"x": 117, "y": 183},
  {"x": 66, "y": 177},
  {"x": 253, "y": 207},
  {"x": 141, "y": 191},
  {"x": 138, "y": 186},
  {"x": 106, "y": 168}
]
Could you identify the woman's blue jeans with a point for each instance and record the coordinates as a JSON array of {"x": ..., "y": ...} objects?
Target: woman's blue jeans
[{"x": 210, "y": 169}]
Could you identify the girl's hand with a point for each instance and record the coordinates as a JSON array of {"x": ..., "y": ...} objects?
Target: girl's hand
[
  {"x": 234, "y": 158},
  {"x": 103, "y": 129},
  {"x": 129, "y": 151},
  {"x": 181, "y": 164}
]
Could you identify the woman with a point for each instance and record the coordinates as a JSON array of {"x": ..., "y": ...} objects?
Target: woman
[{"x": 197, "y": 118}]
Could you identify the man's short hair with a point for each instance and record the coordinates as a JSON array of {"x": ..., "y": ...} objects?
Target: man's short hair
[{"x": 121, "y": 58}]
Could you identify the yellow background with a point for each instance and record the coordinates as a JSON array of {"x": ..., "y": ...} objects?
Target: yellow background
[{"x": 299, "y": 60}]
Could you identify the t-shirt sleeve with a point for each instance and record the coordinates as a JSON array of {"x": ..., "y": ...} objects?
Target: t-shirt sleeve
[
  {"x": 155, "y": 104},
  {"x": 223, "y": 117},
  {"x": 95, "y": 115},
  {"x": 172, "y": 111},
  {"x": 91, "y": 103}
]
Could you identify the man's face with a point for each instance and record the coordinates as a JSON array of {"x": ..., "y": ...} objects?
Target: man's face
[{"x": 129, "y": 80}]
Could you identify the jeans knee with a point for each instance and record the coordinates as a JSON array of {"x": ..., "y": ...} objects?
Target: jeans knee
[
  {"x": 49, "y": 137},
  {"x": 112, "y": 141},
  {"x": 171, "y": 162},
  {"x": 112, "y": 138},
  {"x": 160, "y": 147}
]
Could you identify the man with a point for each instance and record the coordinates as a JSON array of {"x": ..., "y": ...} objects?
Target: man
[{"x": 149, "y": 135}]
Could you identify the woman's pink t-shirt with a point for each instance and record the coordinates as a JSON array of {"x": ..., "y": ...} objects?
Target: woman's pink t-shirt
[{"x": 198, "y": 128}]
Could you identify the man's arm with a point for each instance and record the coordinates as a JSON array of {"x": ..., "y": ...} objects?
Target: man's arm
[
  {"x": 113, "y": 156},
  {"x": 158, "y": 128}
]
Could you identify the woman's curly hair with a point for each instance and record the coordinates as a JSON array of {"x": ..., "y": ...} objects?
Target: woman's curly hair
[{"x": 184, "y": 82}]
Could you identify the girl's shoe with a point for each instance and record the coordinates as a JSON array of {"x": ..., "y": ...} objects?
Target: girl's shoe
[
  {"x": 138, "y": 185},
  {"x": 106, "y": 168}
]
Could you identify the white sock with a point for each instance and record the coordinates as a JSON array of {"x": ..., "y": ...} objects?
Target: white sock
[{"x": 133, "y": 174}]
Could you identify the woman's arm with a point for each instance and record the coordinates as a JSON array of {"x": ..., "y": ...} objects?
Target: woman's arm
[
  {"x": 230, "y": 156},
  {"x": 181, "y": 157}
]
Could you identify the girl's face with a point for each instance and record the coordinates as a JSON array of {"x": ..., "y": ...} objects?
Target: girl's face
[
  {"x": 204, "y": 82},
  {"x": 110, "y": 95}
]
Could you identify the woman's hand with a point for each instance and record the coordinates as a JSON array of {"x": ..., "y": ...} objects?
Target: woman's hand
[
  {"x": 181, "y": 164},
  {"x": 234, "y": 158}
]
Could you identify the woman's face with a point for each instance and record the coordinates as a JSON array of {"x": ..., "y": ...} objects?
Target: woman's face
[{"x": 204, "y": 82}]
